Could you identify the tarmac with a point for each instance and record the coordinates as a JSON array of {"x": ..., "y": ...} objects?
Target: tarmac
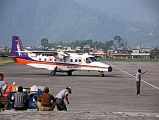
[{"x": 112, "y": 97}]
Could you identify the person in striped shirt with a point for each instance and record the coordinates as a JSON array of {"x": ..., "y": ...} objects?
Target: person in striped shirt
[{"x": 20, "y": 98}]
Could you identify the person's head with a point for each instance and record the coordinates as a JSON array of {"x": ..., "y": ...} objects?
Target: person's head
[
  {"x": 139, "y": 70},
  {"x": 46, "y": 90},
  {"x": 20, "y": 89},
  {"x": 69, "y": 89},
  {"x": 1, "y": 76}
]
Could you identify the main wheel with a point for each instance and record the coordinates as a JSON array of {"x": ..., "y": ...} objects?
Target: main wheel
[
  {"x": 101, "y": 75},
  {"x": 53, "y": 73},
  {"x": 69, "y": 73}
]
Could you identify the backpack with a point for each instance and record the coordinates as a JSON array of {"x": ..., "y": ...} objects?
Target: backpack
[{"x": 33, "y": 102}]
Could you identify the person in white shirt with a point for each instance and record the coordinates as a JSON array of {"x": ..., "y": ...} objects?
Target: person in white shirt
[
  {"x": 3, "y": 84},
  {"x": 138, "y": 80},
  {"x": 63, "y": 94}
]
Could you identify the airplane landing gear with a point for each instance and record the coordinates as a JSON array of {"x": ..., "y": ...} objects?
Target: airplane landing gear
[
  {"x": 69, "y": 73},
  {"x": 101, "y": 74},
  {"x": 54, "y": 71}
]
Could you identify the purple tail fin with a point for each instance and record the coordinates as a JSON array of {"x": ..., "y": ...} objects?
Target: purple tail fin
[{"x": 16, "y": 47}]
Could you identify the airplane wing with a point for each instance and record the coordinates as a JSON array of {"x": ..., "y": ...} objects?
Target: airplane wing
[
  {"x": 39, "y": 52},
  {"x": 58, "y": 55},
  {"x": 62, "y": 55}
]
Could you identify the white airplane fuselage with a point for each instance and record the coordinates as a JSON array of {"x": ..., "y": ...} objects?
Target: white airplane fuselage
[
  {"x": 72, "y": 62},
  {"x": 56, "y": 61}
]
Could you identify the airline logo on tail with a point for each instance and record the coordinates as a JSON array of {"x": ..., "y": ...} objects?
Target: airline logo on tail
[{"x": 18, "y": 48}]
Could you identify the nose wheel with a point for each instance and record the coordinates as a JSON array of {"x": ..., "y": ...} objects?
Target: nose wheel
[{"x": 101, "y": 74}]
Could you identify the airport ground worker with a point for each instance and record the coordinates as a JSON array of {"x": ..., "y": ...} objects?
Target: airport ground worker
[
  {"x": 45, "y": 101},
  {"x": 138, "y": 80},
  {"x": 63, "y": 94}
]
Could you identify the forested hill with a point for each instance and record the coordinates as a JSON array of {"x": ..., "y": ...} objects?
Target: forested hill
[{"x": 68, "y": 20}]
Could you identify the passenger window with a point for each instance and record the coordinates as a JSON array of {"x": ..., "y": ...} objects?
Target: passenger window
[
  {"x": 45, "y": 59},
  {"x": 79, "y": 60},
  {"x": 75, "y": 60},
  {"x": 71, "y": 60},
  {"x": 39, "y": 59}
]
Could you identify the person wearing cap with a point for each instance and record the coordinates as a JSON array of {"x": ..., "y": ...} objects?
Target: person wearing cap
[
  {"x": 63, "y": 94},
  {"x": 138, "y": 80},
  {"x": 45, "y": 101}
]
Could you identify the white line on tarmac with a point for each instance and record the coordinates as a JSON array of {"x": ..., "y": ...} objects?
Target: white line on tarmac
[{"x": 133, "y": 76}]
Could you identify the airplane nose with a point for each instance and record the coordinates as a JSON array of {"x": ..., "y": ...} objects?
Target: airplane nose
[{"x": 109, "y": 69}]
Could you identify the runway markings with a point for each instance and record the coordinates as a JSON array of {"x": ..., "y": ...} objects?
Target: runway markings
[{"x": 133, "y": 76}]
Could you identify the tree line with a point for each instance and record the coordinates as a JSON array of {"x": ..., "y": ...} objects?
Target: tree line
[{"x": 117, "y": 43}]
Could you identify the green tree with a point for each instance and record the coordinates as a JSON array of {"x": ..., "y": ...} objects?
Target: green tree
[
  {"x": 44, "y": 43},
  {"x": 108, "y": 45},
  {"x": 119, "y": 42},
  {"x": 155, "y": 52}
]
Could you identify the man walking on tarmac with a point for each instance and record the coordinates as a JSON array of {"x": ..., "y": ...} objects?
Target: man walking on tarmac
[
  {"x": 63, "y": 94},
  {"x": 138, "y": 80}
]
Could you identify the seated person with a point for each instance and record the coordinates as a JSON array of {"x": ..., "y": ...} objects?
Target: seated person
[
  {"x": 3, "y": 84},
  {"x": 20, "y": 102},
  {"x": 45, "y": 101},
  {"x": 34, "y": 92}
]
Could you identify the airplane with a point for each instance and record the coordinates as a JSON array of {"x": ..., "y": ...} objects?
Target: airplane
[{"x": 56, "y": 61}]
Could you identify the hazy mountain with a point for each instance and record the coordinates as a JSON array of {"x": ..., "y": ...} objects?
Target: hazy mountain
[
  {"x": 69, "y": 20},
  {"x": 138, "y": 10}
]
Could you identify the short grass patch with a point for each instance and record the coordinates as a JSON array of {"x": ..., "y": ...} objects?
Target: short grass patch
[
  {"x": 130, "y": 59},
  {"x": 5, "y": 60}
]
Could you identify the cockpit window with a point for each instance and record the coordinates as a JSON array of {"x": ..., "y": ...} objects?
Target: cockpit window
[{"x": 92, "y": 59}]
